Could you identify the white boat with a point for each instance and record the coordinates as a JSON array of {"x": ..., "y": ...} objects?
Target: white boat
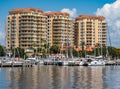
[
  {"x": 34, "y": 60},
  {"x": 83, "y": 63},
  {"x": 9, "y": 61},
  {"x": 97, "y": 63},
  {"x": 17, "y": 62},
  {"x": 110, "y": 62},
  {"x": 41, "y": 62},
  {"x": 0, "y": 61},
  {"x": 65, "y": 63}
]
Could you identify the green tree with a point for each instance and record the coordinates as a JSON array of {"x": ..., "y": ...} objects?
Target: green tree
[
  {"x": 34, "y": 48},
  {"x": 18, "y": 52},
  {"x": 2, "y": 52},
  {"x": 44, "y": 47},
  {"x": 39, "y": 50},
  {"x": 75, "y": 53},
  {"x": 113, "y": 52},
  {"x": 54, "y": 49},
  {"x": 83, "y": 51},
  {"x": 42, "y": 51},
  {"x": 97, "y": 49}
]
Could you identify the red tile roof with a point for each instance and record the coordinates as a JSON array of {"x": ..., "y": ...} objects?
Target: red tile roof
[
  {"x": 56, "y": 13},
  {"x": 18, "y": 10},
  {"x": 89, "y": 48},
  {"x": 89, "y": 17},
  {"x": 78, "y": 49}
]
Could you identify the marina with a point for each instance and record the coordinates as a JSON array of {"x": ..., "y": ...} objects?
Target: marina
[{"x": 58, "y": 62}]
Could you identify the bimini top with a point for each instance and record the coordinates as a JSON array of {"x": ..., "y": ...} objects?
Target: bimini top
[
  {"x": 80, "y": 17},
  {"x": 56, "y": 13},
  {"x": 19, "y": 10}
]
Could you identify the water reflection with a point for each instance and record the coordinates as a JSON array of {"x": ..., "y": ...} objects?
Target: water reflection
[{"x": 60, "y": 77}]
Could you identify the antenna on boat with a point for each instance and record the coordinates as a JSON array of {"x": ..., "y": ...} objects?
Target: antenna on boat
[{"x": 109, "y": 40}]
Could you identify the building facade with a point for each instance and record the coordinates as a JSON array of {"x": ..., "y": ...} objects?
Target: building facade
[
  {"x": 59, "y": 29},
  {"x": 25, "y": 28},
  {"x": 31, "y": 28},
  {"x": 90, "y": 31}
]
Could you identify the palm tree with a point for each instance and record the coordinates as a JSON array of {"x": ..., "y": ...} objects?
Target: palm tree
[
  {"x": 83, "y": 51},
  {"x": 34, "y": 47},
  {"x": 18, "y": 52},
  {"x": 45, "y": 47},
  {"x": 98, "y": 48}
]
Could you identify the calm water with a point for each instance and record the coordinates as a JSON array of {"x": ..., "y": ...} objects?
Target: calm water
[{"x": 60, "y": 77}]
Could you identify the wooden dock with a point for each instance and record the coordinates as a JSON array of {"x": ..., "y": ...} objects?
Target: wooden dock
[{"x": 16, "y": 64}]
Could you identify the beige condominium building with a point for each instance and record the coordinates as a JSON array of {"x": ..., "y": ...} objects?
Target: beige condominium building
[
  {"x": 25, "y": 28},
  {"x": 90, "y": 30},
  {"x": 59, "y": 29},
  {"x": 30, "y": 27}
]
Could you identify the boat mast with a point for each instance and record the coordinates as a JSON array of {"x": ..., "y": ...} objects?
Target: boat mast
[
  {"x": 101, "y": 36},
  {"x": 109, "y": 40},
  {"x": 67, "y": 45}
]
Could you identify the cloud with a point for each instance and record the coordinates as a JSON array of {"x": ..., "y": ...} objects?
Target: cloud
[
  {"x": 2, "y": 33},
  {"x": 48, "y": 11},
  {"x": 112, "y": 14},
  {"x": 72, "y": 12}
]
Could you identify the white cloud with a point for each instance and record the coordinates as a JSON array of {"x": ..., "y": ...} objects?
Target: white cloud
[
  {"x": 2, "y": 38},
  {"x": 112, "y": 14},
  {"x": 2, "y": 33},
  {"x": 48, "y": 11},
  {"x": 72, "y": 12}
]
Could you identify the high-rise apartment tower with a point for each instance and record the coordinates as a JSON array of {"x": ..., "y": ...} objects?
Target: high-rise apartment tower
[
  {"x": 59, "y": 29},
  {"x": 90, "y": 30},
  {"x": 25, "y": 28}
]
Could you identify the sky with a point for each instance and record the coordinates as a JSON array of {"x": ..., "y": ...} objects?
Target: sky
[{"x": 110, "y": 9}]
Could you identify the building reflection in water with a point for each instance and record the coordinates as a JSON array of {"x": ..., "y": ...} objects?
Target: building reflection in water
[{"x": 56, "y": 77}]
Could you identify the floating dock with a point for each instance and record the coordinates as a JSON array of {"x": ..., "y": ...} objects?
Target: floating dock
[{"x": 16, "y": 64}]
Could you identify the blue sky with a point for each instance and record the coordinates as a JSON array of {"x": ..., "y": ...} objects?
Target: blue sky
[{"x": 81, "y": 7}]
